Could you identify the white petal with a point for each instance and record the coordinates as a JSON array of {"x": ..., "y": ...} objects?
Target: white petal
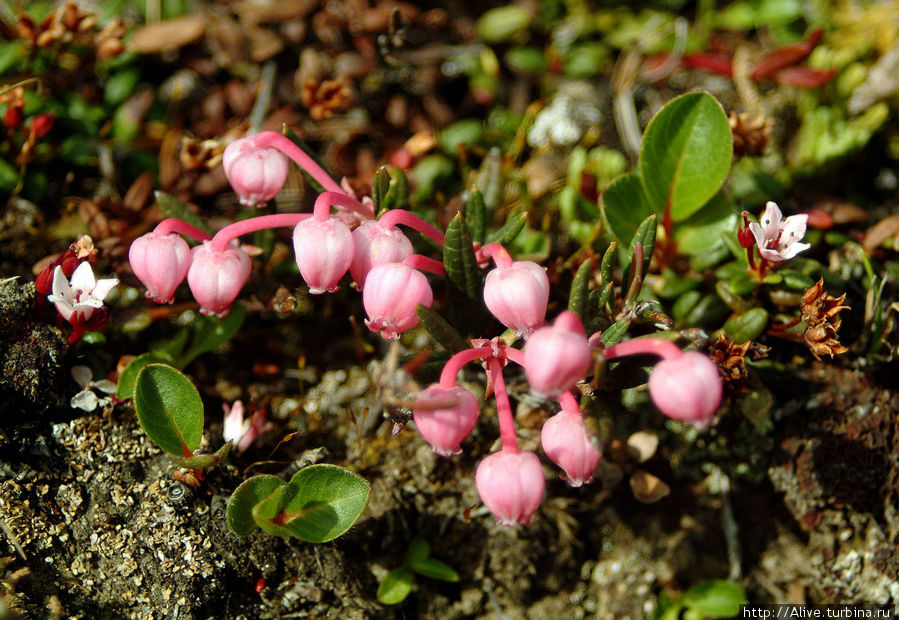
[
  {"x": 105, "y": 385},
  {"x": 759, "y": 234},
  {"x": 82, "y": 375},
  {"x": 772, "y": 255},
  {"x": 64, "y": 307},
  {"x": 771, "y": 220},
  {"x": 61, "y": 288},
  {"x": 85, "y": 399},
  {"x": 83, "y": 278},
  {"x": 793, "y": 229},
  {"x": 101, "y": 290},
  {"x": 793, "y": 249}
]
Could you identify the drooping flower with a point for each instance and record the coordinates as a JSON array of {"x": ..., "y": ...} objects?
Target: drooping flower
[
  {"x": 256, "y": 173},
  {"x": 216, "y": 277},
  {"x": 687, "y": 388},
  {"x": 391, "y": 292},
  {"x": 779, "y": 238},
  {"x": 557, "y": 356},
  {"x": 79, "y": 299},
  {"x": 324, "y": 252},
  {"x": 376, "y": 244},
  {"x": 445, "y": 416},
  {"x": 566, "y": 443},
  {"x": 161, "y": 263},
  {"x": 517, "y": 294},
  {"x": 511, "y": 485}
]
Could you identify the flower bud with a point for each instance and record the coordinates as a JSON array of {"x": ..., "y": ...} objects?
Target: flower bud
[
  {"x": 375, "y": 244},
  {"x": 256, "y": 174},
  {"x": 161, "y": 263},
  {"x": 391, "y": 292},
  {"x": 215, "y": 278},
  {"x": 687, "y": 388},
  {"x": 324, "y": 252},
  {"x": 556, "y": 357},
  {"x": 511, "y": 485},
  {"x": 567, "y": 444},
  {"x": 445, "y": 416},
  {"x": 517, "y": 295}
]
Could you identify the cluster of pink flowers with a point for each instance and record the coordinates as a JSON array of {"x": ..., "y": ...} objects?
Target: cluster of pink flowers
[{"x": 379, "y": 257}]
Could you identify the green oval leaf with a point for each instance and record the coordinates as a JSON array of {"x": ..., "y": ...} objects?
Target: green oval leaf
[
  {"x": 440, "y": 330},
  {"x": 625, "y": 206},
  {"x": 705, "y": 229},
  {"x": 503, "y": 23},
  {"x": 435, "y": 569},
  {"x": 395, "y": 587},
  {"x": 747, "y": 326},
  {"x": 128, "y": 378},
  {"x": 418, "y": 550},
  {"x": 685, "y": 155},
  {"x": 715, "y": 599},
  {"x": 580, "y": 289},
  {"x": 459, "y": 259},
  {"x": 245, "y": 497},
  {"x": 169, "y": 409},
  {"x": 325, "y": 501}
]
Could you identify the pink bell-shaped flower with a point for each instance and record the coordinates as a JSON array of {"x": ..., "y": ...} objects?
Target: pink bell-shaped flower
[
  {"x": 567, "y": 444},
  {"x": 391, "y": 292},
  {"x": 557, "y": 356},
  {"x": 687, "y": 388},
  {"x": 256, "y": 174},
  {"x": 324, "y": 252},
  {"x": 375, "y": 244},
  {"x": 517, "y": 295},
  {"x": 511, "y": 485},
  {"x": 445, "y": 416},
  {"x": 216, "y": 277},
  {"x": 161, "y": 263}
]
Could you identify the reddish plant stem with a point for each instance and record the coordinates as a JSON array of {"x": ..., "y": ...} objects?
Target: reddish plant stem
[
  {"x": 406, "y": 218},
  {"x": 423, "y": 263},
  {"x": 498, "y": 253},
  {"x": 457, "y": 361},
  {"x": 223, "y": 237},
  {"x": 503, "y": 406},
  {"x": 569, "y": 403},
  {"x": 321, "y": 210},
  {"x": 515, "y": 355},
  {"x": 652, "y": 346},
  {"x": 174, "y": 225},
  {"x": 284, "y": 144}
]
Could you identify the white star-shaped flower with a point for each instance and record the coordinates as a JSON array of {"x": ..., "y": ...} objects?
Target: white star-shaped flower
[
  {"x": 779, "y": 239},
  {"x": 76, "y": 300}
]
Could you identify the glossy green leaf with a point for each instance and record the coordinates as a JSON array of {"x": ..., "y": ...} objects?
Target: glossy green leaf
[
  {"x": 608, "y": 263},
  {"x": 715, "y": 599},
  {"x": 580, "y": 289},
  {"x": 211, "y": 332},
  {"x": 395, "y": 587},
  {"x": 169, "y": 408},
  {"x": 515, "y": 223},
  {"x": 205, "y": 461},
  {"x": 389, "y": 189},
  {"x": 503, "y": 23},
  {"x": 440, "y": 330},
  {"x": 476, "y": 215},
  {"x": 418, "y": 550},
  {"x": 172, "y": 207},
  {"x": 269, "y": 507},
  {"x": 128, "y": 378},
  {"x": 245, "y": 497},
  {"x": 435, "y": 569},
  {"x": 747, "y": 326},
  {"x": 685, "y": 155},
  {"x": 459, "y": 259},
  {"x": 615, "y": 333},
  {"x": 491, "y": 180},
  {"x": 645, "y": 235},
  {"x": 325, "y": 501},
  {"x": 464, "y": 132},
  {"x": 706, "y": 228},
  {"x": 625, "y": 206}
]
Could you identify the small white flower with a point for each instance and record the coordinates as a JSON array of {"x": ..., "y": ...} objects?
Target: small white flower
[
  {"x": 779, "y": 239},
  {"x": 240, "y": 431},
  {"x": 82, "y": 295},
  {"x": 86, "y": 399}
]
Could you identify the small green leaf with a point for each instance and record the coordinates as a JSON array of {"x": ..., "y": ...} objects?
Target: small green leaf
[
  {"x": 703, "y": 230},
  {"x": 715, "y": 599},
  {"x": 708, "y": 311},
  {"x": 600, "y": 299},
  {"x": 265, "y": 511},
  {"x": 685, "y": 155},
  {"x": 503, "y": 23},
  {"x": 211, "y": 332},
  {"x": 205, "y": 461},
  {"x": 747, "y": 326},
  {"x": 120, "y": 86},
  {"x": 418, "y": 550},
  {"x": 625, "y": 206},
  {"x": 245, "y": 497},
  {"x": 685, "y": 304},
  {"x": 440, "y": 330},
  {"x": 459, "y": 259},
  {"x": 464, "y": 132},
  {"x": 491, "y": 180},
  {"x": 515, "y": 223},
  {"x": 476, "y": 215},
  {"x": 128, "y": 378},
  {"x": 615, "y": 333},
  {"x": 395, "y": 587},
  {"x": 172, "y": 207},
  {"x": 169, "y": 409},
  {"x": 645, "y": 235},
  {"x": 580, "y": 289},
  {"x": 325, "y": 502},
  {"x": 608, "y": 263},
  {"x": 796, "y": 280},
  {"x": 435, "y": 569},
  {"x": 389, "y": 189}
]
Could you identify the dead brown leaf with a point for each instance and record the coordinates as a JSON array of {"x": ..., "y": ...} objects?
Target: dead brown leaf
[{"x": 168, "y": 34}]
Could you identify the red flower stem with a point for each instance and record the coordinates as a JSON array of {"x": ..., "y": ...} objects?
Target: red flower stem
[
  {"x": 498, "y": 253},
  {"x": 174, "y": 225},
  {"x": 750, "y": 257},
  {"x": 569, "y": 403},
  {"x": 283, "y": 144},
  {"x": 515, "y": 355},
  {"x": 653, "y": 346},
  {"x": 223, "y": 237},
  {"x": 423, "y": 263},
  {"x": 503, "y": 406},
  {"x": 457, "y": 361},
  {"x": 322, "y": 207},
  {"x": 406, "y": 218}
]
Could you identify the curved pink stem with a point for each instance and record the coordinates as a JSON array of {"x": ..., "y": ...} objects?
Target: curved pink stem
[
  {"x": 223, "y": 237},
  {"x": 652, "y": 346},
  {"x": 323, "y": 203},
  {"x": 569, "y": 403},
  {"x": 498, "y": 253},
  {"x": 457, "y": 361},
  {"x": 423, "y": 263},
  {"x": 503, "y": 406},
  {"x": 283, "y": 144},
  {"x": 406, "y": 218},
  {"x": 515, "y": 355},
  {"x": 174, "y": 225}
]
